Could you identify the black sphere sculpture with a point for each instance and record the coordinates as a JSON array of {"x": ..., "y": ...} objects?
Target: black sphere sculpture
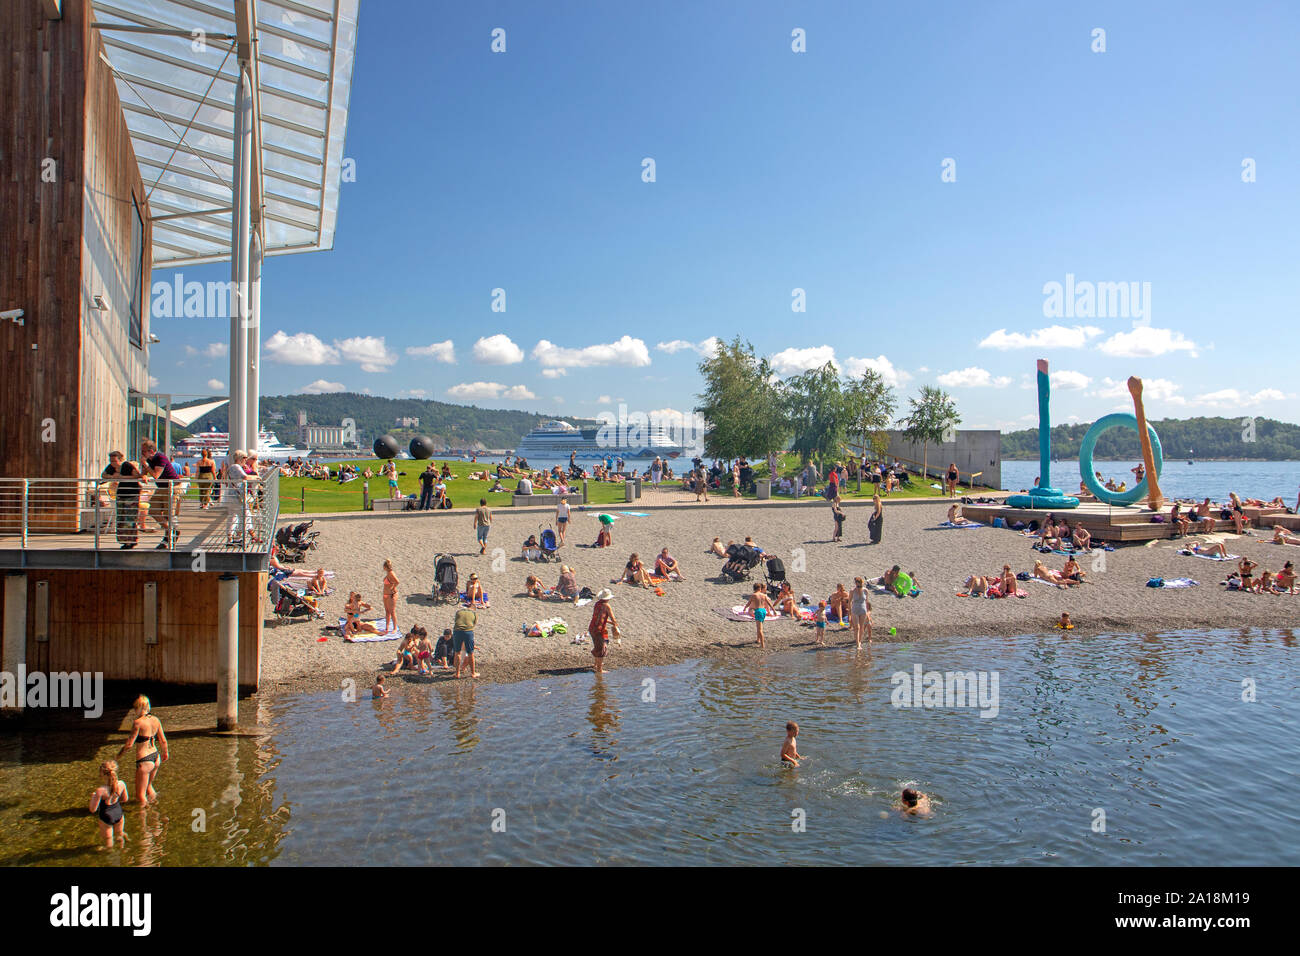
[
  {"x": 386, "y": 447},
  {"x": 421, "y": 447}
]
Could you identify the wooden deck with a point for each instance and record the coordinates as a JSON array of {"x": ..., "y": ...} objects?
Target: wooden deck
[{"x": 1104, "y": 522}]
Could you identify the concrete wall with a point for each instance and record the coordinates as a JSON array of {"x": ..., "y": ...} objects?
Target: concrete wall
[{"x": 974, "y": 450}]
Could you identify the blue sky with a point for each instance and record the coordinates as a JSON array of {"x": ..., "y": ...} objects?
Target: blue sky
[{"x": 821, "y": 171}]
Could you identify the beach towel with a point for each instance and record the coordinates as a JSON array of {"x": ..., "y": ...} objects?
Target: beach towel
[
  {"x": 968, "y": 524},
  {"x": 553, "y": 626},
  {"x": 1041, "y": 581},
  {"x": 464, "y": 599},
  {"x": 635, "y": 514},
  {"x": 1210, "y": 557},
  {"x": 365, "y": 638},
  {"x": 739, "y": 613},
  {"x": 1180, "y": 583}
]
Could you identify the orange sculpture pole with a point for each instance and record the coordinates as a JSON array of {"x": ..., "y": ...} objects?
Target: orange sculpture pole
[{"x": 1154, "y": 498}]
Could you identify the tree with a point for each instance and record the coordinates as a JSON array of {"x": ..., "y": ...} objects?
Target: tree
[
  {"x": 871, "y": 404},
  {"x": 932, "y": 419},
  {"x": 741, "y": 403},
  {"x": 817, "y": 412}
]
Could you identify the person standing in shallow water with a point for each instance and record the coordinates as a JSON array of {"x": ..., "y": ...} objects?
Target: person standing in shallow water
[
  {"x": 602, "y": 622},
  {"x": 106, "y": 803},
  {"x": 150, "y": 749}
]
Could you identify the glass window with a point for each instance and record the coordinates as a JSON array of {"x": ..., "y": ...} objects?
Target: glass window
[{"x": 135, "y": 327}]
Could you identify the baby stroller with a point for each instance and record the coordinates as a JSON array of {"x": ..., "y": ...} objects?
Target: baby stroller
[
  {"x": 549, "y": 546},
  {"x": 295, "y": 541},
  {"x": 774, "y": 576},
  {"x": 446, "y": 579},
  {"x": 287, "y": 604},
  {"x": 741, "y": 559}
]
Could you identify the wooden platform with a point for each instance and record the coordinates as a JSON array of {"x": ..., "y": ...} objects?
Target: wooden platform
[{"x": 1104, "y": 522}]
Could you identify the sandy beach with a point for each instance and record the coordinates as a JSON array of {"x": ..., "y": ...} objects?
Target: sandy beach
[{"x": 682, "y": 623}]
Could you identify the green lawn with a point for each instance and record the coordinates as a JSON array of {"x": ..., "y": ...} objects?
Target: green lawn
[{"x": 331, "y": 496}]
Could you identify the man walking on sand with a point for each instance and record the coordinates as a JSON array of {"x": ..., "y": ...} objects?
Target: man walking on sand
[{"x": 482, "y": 524}]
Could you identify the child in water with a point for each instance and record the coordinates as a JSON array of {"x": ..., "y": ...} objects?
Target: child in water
[
  {"x": 915, "y": 802},
  {"x": 1065, "y": 623},
  {"x": 760, "y": 604},
  {"x": 379, "y": 691},
  {"x": 790, "y": 749}
]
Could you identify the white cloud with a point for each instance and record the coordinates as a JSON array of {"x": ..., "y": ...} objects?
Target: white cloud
[
  {"x": 627, "y": 351},
  {"x": 1065, "y": 379},
  {"x": 438, "y": 351},
  {"x": 212, "y": 350},
  {"x": 1052, "y": 337},
  {"x": 1153, "y": 389},
  {"x": 972, "y": 377},
  {"x": 705, "y": 347},
  {"x": 300, "y": 349},
  {"x": 153, "y": 382},
  {"x": 216, "y": 384},
  {"x": 553, "y": 372},
  {"x": 322, "y": 387},
  {"x": 413, "y": 392},
  {"x": 604, "y": 400},
  {"x": 1147, "y": 342},
  {"x": 478, "y": 390},
  {"x": 370, "y": 351},
  {"x": 854, "y": 367},
  {"x": 1232, "y": 399},
  {"x": 497, "y": 350},
  {"x": 793, "y": 361}
]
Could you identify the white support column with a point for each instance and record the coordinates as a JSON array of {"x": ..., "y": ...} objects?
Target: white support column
[
  {"x": 239, "y": 252},
  {"x": 13, "y": 659},
  {"x": 227, "y": 652},
  {"x": 254, "y": 342}
]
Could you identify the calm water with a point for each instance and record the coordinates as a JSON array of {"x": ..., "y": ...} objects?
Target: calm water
[
  {"x": 1151, "y": 729},
  {"x": 1257, "y": 479}
]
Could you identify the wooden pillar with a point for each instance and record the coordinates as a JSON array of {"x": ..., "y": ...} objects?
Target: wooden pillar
[
  {"x": 227, "y": 652},
  {"x": 13, "y": 659}
]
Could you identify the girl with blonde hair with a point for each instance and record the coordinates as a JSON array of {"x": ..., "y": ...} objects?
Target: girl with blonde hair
[
  {"x": 150, "y": 749},
  {"x": 106, "y": 803}
]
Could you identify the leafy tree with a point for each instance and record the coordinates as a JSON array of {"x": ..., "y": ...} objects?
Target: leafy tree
[
  {"x": 932, "y": 419},
  {"x": 871, "y": 405},
  {"x": 741, "y": 402},
  {"x": 817, "y": 412}
]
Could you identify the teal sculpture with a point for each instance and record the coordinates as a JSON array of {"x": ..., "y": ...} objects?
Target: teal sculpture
[
  {"x": 1043, "y": 495},
  {"x": 1104, "y": 424}
]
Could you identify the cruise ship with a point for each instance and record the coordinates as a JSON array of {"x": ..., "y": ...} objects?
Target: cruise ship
[
  {"x": 269, "y": 447},
  {"x": 557, "y": 439}
]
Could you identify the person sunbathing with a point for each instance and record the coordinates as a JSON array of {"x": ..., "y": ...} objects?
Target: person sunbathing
[
  {"x": 1009, "y": 584},
  {"x": 1285, "y": 579},
  {"x": 1207, "y": 548},
  {"x": 666, "y": 565},
  {"x": 533, "y": 587},
  {"x": 635, "y": 572},
  {"x": 474, "y": 596},
  {"x": 567, "y": 586},
  {"x": 718, "y": 549},
  {"x": 1082, "y": 539},
  {"x": 1182, "y": 524},
  {"x": 318, "y": 585},
  {"x": 1282, "y": 536},
  {"x": 1265, "y": 583},
  {"x": 352, "y": 611},
  {"x": 1072, "y": 572},
  {"x": 1246, "y": 569},
  {"x": 976, "y": 585},
  {"x": 1044, "y": 573},
  {"x": 785, "y": 600},
  {"x": 955, "y": 516}
]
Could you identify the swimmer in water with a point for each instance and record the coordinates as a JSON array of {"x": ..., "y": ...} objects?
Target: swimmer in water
[
  {"x": 760, "y": 604},
  {"x": 915, "y": 802},
  {"x": 790, "y": 749}
]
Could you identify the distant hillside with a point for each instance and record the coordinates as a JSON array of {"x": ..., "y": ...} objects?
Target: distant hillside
[
  {"x": 1180, "y": 438},
  {"x": 456, "y": 425}
]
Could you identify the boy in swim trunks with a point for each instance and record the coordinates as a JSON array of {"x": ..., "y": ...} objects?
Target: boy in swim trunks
[
  {"x": 819, "y": 620},
  {"x": 790, "y": 749},
  {"x": 760, "y": 604}
]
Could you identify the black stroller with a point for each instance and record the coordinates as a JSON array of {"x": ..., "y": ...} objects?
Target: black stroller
[
  {"x": 741, "y": 559},
  {"x": 295, "y": 541},
  {"x": 774, "y": 576},
  {"x": 287, "y": 604},
  {"x": 446, "y": 579}
]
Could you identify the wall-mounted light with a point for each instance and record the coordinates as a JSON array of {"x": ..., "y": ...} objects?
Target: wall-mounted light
[
  {"x": 154, "y": 339},
  {"x": 101, "y": 303},
  {"x": 14, "y": 315}
]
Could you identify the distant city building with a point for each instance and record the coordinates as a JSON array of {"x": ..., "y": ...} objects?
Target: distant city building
[
  {"x": 406, "y": 422},
  {"x": 326, "y": 437}
]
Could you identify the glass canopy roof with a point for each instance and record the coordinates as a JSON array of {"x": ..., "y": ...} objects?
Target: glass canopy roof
[{"x": 177, "y": 70}]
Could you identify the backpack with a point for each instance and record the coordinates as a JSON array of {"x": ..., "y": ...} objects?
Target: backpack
[{"x": 586, "y": 593}]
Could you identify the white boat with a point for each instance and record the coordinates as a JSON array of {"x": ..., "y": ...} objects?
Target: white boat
[
  {"x": 558, "y": 439},
  {"x": 269, "y": 447}
]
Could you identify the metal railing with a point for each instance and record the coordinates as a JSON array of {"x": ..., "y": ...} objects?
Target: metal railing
[{"x": 189, "y": 514}]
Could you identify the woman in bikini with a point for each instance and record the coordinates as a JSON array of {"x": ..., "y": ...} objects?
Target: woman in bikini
[
  {"x": 1285, "y": 579},
  {"x": 150, "y": 749},
  {"x": 1247, "y": 567},
  {"x": 635, "y": 572},
  {"x": 785, "y": 600},
  {"x": 1282, "y": 536},
  {"x": 839, "y": 603},
  {"x": 390, "y": 597},
  {"x": 976, "y": 585},
  {"x": 106, "y": 803},
  {"x": 1009, "y": 583},
  {"x": 860, "y": 608},
  {"x": 1044, "y": 573},
  {"x": 474, "y": 595},
  {"x": 319, "y": 586},
  {"x": 352, "y": 611}
]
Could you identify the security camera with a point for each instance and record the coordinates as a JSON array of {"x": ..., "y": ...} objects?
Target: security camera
[{"x": 13, "y": 315}]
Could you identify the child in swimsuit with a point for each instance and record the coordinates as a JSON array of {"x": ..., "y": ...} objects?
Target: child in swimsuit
[
  {"x": 378, "y": 691},
  {"x": 106, "y": 803},
  {"x": 790, "y": 748},
  {"x": 819, "y": 619},
  {"x": 760, "y": 604}
]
